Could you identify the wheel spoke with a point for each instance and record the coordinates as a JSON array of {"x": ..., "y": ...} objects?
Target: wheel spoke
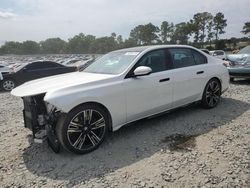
[
  {"x": 208, "y": 94},
  {"x": 95, "y": 136},
  {"x": 74, "y": 131},
  {"x": 216, "y": 98},
  {"x": 78, "y": 140},
  {"x": 75, "y": 124},
  {"x": 217, "y": 88},
  {"x": 211, "y": 103},
  {"x": 81, "y": 142},
  {"x": 92, "y": 140},
  {"x": 211, "y": 86},
  {"x": 87, "y": 116},
  {"x": 98, "y": 124},
  {"x": 74, "y": 127}
]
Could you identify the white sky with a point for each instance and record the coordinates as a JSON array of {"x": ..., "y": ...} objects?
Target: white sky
[{"x": 40, "y": 19}]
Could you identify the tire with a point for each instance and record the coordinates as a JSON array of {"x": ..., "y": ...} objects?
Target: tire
[
  {"x": 231, "y": 79},
  {"x": 212, "y": 94},
  {"x": 8, "y": 84},
  {"x": 83, "y": 129}
]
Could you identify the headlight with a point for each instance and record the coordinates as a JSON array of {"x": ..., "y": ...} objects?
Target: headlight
[{"x": 226, "y": 63}]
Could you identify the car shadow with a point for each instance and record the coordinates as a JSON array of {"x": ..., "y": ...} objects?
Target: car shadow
[{"x": 133, "y": 143}]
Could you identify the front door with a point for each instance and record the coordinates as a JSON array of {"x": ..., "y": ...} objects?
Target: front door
[{"x": 147, "y": 95}]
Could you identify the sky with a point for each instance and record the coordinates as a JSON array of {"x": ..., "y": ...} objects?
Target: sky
[{"x": 37, "y": 20}]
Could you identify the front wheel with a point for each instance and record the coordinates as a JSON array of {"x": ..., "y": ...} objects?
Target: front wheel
[
  {"x": 212, "y": 93},
  {"x": 83, "y": 128},
  {"x": 8, "y": 84}
]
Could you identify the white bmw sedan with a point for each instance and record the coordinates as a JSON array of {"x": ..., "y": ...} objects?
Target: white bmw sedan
[{"x": 76, "y": 110}]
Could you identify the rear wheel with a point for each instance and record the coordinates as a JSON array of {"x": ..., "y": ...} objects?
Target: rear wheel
[
  {"x": 212, "y": 93},
  {"x": 83, "y": 129},
  {"x": 8, "y": 84}
]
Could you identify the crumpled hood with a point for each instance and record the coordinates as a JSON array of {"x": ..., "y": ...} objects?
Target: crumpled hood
[
  {"x": 239, "y": 58},
  {"x": 57, "y": 82}
]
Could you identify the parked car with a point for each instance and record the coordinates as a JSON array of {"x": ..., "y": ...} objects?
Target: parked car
[
  {"x": 76, "y": 110},
  {"x": 205, "y": 50},
  {"x": 219, "y": 54},
  {"x": 239, "y": 64},
  {"x": 70, "y": 62},
  {"x": 30, "y": 71},
  {"x": 4, "y": 70}
]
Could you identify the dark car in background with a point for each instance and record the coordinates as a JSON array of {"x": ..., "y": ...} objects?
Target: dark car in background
[{"x": 30, "y": 71}]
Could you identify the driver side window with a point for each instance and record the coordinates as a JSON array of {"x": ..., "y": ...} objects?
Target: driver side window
[{"x": 155, "y": 60}]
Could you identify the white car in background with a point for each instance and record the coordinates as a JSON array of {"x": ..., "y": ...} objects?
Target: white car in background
[
  {"x": 3, "y": 70},
  {"x": 76, "y": 110},
  {"x": 219, "y": 54}
]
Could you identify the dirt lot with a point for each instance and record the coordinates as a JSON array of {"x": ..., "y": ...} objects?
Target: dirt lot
[{"x": 190, "y": 147}]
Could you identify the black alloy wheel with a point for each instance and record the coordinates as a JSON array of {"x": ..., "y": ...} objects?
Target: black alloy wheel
[
  {"x": 212, "y": 94},
  {"x": 84, "y": 129}
]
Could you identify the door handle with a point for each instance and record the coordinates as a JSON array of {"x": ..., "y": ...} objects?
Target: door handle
[
  {"x": 164, "y": 80},
  {"x": 200, "y": 72}
]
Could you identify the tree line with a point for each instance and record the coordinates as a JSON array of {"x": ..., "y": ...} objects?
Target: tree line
[{"x": 202, "y": 30}]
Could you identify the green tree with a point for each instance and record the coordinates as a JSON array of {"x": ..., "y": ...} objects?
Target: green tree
[
  {"x": 30, "y": 47},
  {"x": 210, "y": 32},
  {"x": 246, "y": 28},
  {"x": 145, "y": 34},
  {"x": 11, "y": 47},
  {"x": 103, "y": 45},
  {"x": 130, "y": 42},
  {"x": 53, "y": 45},
  {"x": 220, "y": 45},
  {"x": 119, "y": 41},
  {"x": 166, "y": 31},
  {"x": 220, "y": 24},
  {"x": 113, "y": 35},
  {"x": 181, "y": 34},
  {"x": 201, "y": 22},
  {"x": 80, "y": 43}
]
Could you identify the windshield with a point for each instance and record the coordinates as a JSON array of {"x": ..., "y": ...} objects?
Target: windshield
[
  {"x": 112, "y": 63},
  {"x": 17, "y": 67}
]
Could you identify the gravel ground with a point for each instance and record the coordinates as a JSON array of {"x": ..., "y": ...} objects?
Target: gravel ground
[{"x": 190, "y": 147}]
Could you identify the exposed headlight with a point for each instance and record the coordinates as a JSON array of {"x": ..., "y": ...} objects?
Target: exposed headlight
[{"x": 226, "y": 63}]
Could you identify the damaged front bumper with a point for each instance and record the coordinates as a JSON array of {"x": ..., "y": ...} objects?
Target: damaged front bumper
[{"x": 41, "y": 119}]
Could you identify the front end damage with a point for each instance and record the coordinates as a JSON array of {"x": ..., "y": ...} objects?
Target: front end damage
[{"x": 41, "y": 118}]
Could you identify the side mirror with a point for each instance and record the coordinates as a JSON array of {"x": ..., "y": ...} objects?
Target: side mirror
[{"x": 142, "y": 71}]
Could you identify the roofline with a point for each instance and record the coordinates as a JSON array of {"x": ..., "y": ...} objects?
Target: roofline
[{"x": 154, "y": 47}]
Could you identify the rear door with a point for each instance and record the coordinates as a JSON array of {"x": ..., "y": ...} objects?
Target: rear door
[{"x": 189, "y": 75}]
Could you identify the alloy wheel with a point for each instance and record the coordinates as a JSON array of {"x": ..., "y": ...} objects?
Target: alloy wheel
[
  {"x": 213, "y": 93},
  {"x": 86, "y": 130},
  {"x": 8, "y": 85}
]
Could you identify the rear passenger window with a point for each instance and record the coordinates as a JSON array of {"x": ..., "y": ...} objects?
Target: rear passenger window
[
  {"x": 182, "y": 57},
  {"x": 199, "y": 58}
]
